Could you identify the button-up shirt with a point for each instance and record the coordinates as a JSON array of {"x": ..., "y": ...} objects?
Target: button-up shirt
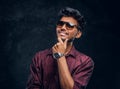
[{"x": 44, "y": 71}]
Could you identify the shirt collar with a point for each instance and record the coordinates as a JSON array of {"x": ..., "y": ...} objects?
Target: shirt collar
[{"x": 72, "y": 52}]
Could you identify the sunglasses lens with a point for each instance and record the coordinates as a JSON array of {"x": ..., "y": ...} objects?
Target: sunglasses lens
[
  {"x": 60, "y": 23},
  {"x": 69, "y": 26}
]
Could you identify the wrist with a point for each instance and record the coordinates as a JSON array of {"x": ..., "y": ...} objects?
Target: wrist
[{"x": 58, "y": 55}]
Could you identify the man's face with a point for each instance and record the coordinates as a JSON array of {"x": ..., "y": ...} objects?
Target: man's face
[{"x": 67, "y": 28}]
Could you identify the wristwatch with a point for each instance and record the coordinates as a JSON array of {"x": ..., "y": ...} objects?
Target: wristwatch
[{"x": 57, "y": 55}]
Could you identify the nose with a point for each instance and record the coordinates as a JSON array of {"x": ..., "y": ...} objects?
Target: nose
[{"x": 63, "y": 27}]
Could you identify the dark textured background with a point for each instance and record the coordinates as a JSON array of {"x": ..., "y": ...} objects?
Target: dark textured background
[{"x": 27, "y": 26}]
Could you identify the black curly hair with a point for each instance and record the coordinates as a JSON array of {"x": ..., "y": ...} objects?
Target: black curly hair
[{"x": 70, "y": 12}]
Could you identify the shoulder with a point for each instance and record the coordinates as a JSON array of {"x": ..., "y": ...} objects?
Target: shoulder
[
  {"x": 44, "y": 52},
  {"x": 83, "y": 58},
  {"x": 41, "y": 54}
]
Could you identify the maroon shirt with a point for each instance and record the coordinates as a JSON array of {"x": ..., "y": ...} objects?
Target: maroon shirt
[{"x": 44, "y": 71}]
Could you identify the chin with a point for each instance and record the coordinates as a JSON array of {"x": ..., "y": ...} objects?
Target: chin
[{"x": 63, "y": 39}]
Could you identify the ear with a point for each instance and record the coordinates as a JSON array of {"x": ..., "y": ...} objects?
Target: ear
[{"x": 78, "y": 35}]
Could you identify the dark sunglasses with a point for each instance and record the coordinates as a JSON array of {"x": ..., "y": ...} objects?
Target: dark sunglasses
[{"x": 69, "y": 26}]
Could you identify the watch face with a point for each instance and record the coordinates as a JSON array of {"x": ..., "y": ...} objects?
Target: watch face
[{"x": 56, "y": 55}]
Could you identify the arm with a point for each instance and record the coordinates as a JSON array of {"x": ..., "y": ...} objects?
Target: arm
[
  {"x": 35, "y": 79},
  {"x": 66, "y": 80},
  {"x": 79, "y": 79},
  {"x": 65, "y": 77},
  {"x": 82, "y": 74}
]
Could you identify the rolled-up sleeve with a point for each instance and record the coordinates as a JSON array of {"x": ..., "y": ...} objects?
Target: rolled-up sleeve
[
  {"x": 35, "y": 77},
  {"x": 82, "y": 74}
]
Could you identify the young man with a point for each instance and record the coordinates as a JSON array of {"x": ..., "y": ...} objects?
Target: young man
[{"x": 62, "y": 66}]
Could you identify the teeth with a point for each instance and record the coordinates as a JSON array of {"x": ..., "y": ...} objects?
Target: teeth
[{"x": 62, "y": 34}]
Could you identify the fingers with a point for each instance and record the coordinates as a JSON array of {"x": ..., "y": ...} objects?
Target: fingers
[
  {"x": 60, "y": 46},
  {"x": 60, "y": 40},
  {"x": 54, "y": 49},
  {"x": 65, "y": 42}
]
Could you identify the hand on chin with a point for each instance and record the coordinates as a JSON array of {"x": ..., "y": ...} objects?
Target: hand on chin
[{"x": 63, "y": 38}]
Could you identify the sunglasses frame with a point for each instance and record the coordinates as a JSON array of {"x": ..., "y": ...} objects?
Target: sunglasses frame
[{"x": 68, "y": 25}]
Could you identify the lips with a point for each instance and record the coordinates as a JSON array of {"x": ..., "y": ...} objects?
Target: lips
[{"x": 63, "y": 35}]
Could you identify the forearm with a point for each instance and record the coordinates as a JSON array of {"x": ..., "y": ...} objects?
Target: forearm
[{"x": 66, "y": 79}]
